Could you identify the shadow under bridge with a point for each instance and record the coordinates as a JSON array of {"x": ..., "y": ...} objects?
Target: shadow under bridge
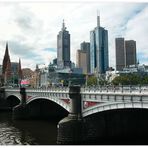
[{"x": 45, "y": 109}]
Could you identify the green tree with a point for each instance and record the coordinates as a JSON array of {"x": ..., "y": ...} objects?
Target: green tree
[
  {"x": 130, "y": 79},
  {"x": 92, "y": 80}
]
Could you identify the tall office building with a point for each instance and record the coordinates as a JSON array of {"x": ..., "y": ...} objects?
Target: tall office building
[
  {"x": 82, "y": 61},
  {"x": 99, "y": 62},
  {"x": 131, "y": 58},
  {"x": 63, "y": 48},
  {"x": 125, "y": 53},
  {"x": 120, "y": 53},
  {"x": 85, "y": 47}
]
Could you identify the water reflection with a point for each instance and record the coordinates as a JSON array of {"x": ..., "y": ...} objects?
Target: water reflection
[{"x": 27, "y": 132}]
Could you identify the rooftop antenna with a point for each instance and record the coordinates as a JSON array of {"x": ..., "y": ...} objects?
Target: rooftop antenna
[
  {"x": 63, "y": 27},
  {"x": 98, "y": 18}
]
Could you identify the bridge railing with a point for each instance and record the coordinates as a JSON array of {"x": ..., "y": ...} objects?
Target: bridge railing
[
  {"x": 117, "y": 89},
  {"x": 51, "y": 89},
  {"x": 103, "y": 89}
]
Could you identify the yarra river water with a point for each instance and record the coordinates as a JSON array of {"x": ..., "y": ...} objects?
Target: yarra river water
[{"x": 26, "y": 132}]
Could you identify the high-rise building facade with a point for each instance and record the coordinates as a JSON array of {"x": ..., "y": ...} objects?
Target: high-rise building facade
[
  {"x": 85, "y": 47},
  {"x": 131, "y": 58},
  {"x": 82, "y": 60},
  {"x": 125, "y": 53},
  {"x": 99, "y": 62},
  {"x": 120, "y": 53},
  {"x": 63, "y": 48}
]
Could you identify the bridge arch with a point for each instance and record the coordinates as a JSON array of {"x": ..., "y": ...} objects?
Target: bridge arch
[
  {"x": 42, "y": 107},
  {"x": 113, "y": 106},
  {"x": 118, "y": 126},
  {"x": 55, "y": 100},
  {"x": 12, "y": 101}
]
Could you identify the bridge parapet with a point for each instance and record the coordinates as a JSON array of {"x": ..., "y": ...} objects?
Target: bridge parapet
[
  {"x": 107, "y": 98},
  {"x": 91, "y": 97},
  {"x": 116, "y": 89}
]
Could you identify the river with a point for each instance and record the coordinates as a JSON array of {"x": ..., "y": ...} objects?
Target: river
[{"x": 26, "y": 132}]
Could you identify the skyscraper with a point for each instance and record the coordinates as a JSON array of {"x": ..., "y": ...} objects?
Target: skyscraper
[
  {"x": 99, "y": 62},
  {"x": 125, "y": 53},
  {"x": 131, "y": 58},
  {"x": 120, "y": 53},
  {"x": 63, "y": 48},
  {"x": 82, "y": 60},
  {"x": 85, "y": 47}
]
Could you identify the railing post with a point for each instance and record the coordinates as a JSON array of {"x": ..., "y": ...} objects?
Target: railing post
[
  {"x": 122, "y": 88},
  {"x": 130, "y": 89},
  {"x": 100, "y": 88},
  {"x": 139, "y": 88},
  {"x": 106, "y": 88}
]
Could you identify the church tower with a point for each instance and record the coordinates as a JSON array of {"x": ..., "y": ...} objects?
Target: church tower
[
  {"x": 6, "y": 67},
  {"x": 6, "y": 59}
]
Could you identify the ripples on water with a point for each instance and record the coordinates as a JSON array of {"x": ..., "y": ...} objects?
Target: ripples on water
[{"x": 35, "y": 132}]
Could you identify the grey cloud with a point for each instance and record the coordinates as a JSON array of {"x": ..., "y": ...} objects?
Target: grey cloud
[
  {"x": 25, "y": 19},
  {"x": 24, "y": 22},
  {"x": 23, "y": 51}
]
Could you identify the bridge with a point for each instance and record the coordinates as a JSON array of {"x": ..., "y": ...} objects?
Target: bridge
[
  {"x": 93, "y": 99},
  {"x": 79, "y": 103}
]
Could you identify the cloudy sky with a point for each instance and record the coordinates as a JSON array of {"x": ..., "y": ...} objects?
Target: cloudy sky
[{"x": 31, "y": 27}]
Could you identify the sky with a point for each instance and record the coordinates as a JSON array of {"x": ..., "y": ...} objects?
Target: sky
[{"x": 31, "y": 27}]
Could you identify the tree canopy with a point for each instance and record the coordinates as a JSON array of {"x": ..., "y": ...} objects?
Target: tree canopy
[{"x": 130, "y": 79}]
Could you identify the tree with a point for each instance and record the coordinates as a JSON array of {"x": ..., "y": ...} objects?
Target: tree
[
  {"x": 130, "y": 79},
  {"x": 92, "y": 80}
]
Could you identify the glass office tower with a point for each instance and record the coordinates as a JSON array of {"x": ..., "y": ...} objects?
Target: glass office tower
[{"x": 99, "y": 62}]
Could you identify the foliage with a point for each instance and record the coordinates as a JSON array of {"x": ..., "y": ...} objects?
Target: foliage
[
  {"x": 130, "y": 79},
  {"x": 102, "y": 81},
  {"x": 92, "y": 80}
]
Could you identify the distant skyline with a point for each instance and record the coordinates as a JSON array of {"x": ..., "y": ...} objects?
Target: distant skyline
[{"x": 31, "y": 28}]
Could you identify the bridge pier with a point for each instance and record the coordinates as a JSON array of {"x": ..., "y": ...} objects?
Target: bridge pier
[
  {"x": 20, "y": 111},
  {"x": 3, "y": 104},
  {"x": 70, "y": 129}
]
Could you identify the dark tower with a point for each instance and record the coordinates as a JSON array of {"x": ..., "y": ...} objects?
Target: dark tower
[
  {"x": 7, "y": 75},
  {"x": 6, "y": 67},
  {"x": 6, "y": 59},
  {"x": 20, "y": 76}
]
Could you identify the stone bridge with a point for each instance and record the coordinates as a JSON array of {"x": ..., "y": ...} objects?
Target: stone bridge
[
  {"x": 90, "y": 112},
  {"x": 93, "y": 99}
]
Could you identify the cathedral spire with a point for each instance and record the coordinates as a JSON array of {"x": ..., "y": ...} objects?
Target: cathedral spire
[
  {"x": 6, "y": 48},
  {"x": 6, "y": 58}
]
